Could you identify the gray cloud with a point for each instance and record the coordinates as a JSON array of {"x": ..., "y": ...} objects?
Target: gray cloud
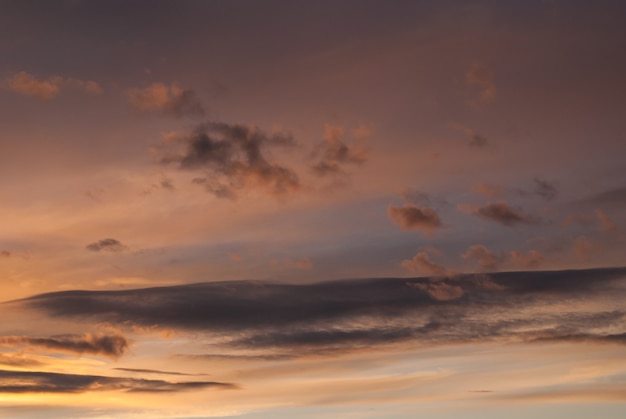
[
  {"x": 545, "y": 189},
  {"x": 499, "y": 212},
  {"x": 351, "y": 314},
  {"x": 413, "y": 217},
  {"x": 48, "y": 382},
  {"x": 112, "y": 346},
  {"x": 232, "y": 157},
  {"x": 109, "y": 245}
]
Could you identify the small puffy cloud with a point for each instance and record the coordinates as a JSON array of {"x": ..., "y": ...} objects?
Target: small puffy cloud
[
  {"x": 530, "y": 260},
  {"x": 484, "y": 257},
  {"x": 26, "y": 84},
  {"x": 480, "y": 79},
  {"x": 421, "y": 263},
  {"x": 413, "y": 217},
  {"x": 334, "y": 152},
  {"x": 46, "y": 89},
  {"x": 110, "y": 345},
  {"x": 499, "y": 212},
  {"x": 109, "y": 245},
  {"x": 169, "y": 100},
  {"x": 439, "y": 290},
  {"x": 232, "y": 157},
  {"x": 606, "y": 224}
]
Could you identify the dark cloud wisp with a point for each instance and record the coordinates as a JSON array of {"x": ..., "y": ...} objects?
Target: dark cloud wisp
[
  {"x": 112, "y": 345},
  {"x": 108, "y": 245},
  {"x": 48, "y": 382}
]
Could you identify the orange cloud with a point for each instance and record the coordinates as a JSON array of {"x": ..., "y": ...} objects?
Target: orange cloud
[
  {"x": 26, "y": 84},
  {"x": 421, "y": 263},
  {"x": 413, "y": 217},
  {"x": 170, "y": 100}
]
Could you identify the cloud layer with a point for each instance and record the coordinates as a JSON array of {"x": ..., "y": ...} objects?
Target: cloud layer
[{"x": 343, "y": 315}]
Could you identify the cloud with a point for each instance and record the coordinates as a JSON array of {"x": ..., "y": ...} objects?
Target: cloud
[
  {"x": 480, "y": 79},
  {"x": 335, "y": 153},
  {"x": 49, "y": 382},
  {"x": 149, "y": 371},
  {"x": 46, "y": 89},
  {"x": 499, "y": 212},
  {"x": 606, "y": 224},
  {"x": 232, "y": 157},
  {"x": 421, "y": 263},
  {"x": 26, "y": 84},
  {"x": 112, "y": 346},
  {"x": 5, "y": 254},
  {"x": 345, "y": 315},
  {"x": 413, "y": 217},
  {"x": 488, "y": 191},
  {"x": 441, "y": 291},
  {"x": 531, "y": 260},
  {"x": 19, "y": 361},
  {"x": 475, "y": 140},
  {"x": 168, "y": 100},
  {"x": 545, "y": 189},
  {"x": 485, "y": 258},
  {"x": 423, "y": 199},
  {"x": 109, "y": 245}
]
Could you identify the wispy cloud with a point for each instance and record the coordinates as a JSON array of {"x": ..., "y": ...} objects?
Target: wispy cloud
[
  {"x": 48, "y": 382},
  {"x": 499, "y": 212},
  {"x": 112, "y": 345},
  {"x": 108, "y": 245},
  {"x": 480, "y": 79},
  {"x": 48, "y": 88},
  {"x": 165, "y": 99}
]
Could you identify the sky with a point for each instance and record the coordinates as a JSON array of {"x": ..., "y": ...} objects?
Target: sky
[{"x": 279, "y": 209}]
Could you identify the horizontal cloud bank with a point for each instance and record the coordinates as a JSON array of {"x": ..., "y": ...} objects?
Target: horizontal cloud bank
[
  {"x": 48, "y": 382},
  {"x": 585, "y": 305}
]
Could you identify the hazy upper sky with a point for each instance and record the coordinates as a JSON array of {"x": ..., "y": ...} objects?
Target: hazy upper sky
[{"x": 455, "y": 169}]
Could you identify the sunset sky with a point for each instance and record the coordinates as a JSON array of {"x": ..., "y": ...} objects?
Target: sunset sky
[{"x": 307, "y": 209}]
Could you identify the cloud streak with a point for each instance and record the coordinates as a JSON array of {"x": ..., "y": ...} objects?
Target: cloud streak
[
  {"x": 112, "y": 346},
  {"x": 499, "y": 212},
  {"x": 46, "y": 89},
  {"x": 47, "y": 382}
]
